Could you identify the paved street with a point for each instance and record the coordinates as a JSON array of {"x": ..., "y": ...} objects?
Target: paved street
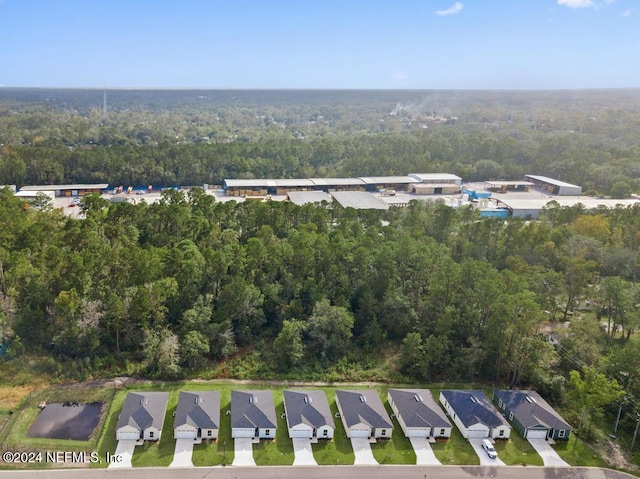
[
  {"x": 424, "y": 453},
  {"x": 321, "y": 472}
]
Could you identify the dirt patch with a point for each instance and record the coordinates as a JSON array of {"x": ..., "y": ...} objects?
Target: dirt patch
[
  {"x": 67, "y": 421},
  {"x": 616, "y": 457}
]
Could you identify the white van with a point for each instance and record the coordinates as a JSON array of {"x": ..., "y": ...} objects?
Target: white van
[{"x": 488, "y": 447}]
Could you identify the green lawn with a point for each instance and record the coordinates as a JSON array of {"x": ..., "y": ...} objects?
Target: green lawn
[
  {"x": 517, "y": 451},
  {"x": 398, "y": 449},
  {"x": 456, "y": 450},
  {"x": 338, "y": 450},
  {"x": 577, "y": 453}
]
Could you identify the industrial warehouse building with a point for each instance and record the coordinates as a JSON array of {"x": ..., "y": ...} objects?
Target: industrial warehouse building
[
  {"x": 70, "y": 190},
  {"x": 554, "y": 187}
]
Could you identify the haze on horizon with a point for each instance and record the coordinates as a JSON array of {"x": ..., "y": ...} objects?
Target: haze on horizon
[{"x": 348, "y": 44}]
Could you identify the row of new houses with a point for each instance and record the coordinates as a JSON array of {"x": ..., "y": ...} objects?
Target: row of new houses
[{"x": 362, "y": 413}]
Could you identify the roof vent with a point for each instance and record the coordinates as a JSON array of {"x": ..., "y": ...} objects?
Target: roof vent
[
  {"x": 250, "y": 399},
  {"x": 415, "y": 396},
  {"x": 305, "y": 400},
  {"x": 529, "y": 399},
  {"x": 472, "y": 399},
  {"x": 362, "y": 398}
]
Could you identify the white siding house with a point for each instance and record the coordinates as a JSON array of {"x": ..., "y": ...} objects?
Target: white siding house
[
  {"x": 474, "y": 414},
  {"x": 363, "y": 414},
  {"x": 418, "y": 413},
  {"x": 308, "y": 414},
  {"x": 142, "y": 416}
]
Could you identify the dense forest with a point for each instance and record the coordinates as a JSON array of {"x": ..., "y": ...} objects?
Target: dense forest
[
  {"x": 196, "y": 137},
  {"x": 189, "y": 287}
]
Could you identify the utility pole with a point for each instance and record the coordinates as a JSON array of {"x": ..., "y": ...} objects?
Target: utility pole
[{"x": 635, "y": 434}]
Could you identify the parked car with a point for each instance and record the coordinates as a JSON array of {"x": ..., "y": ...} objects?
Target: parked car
[
  {"x": 75, "y": 201},
  {"x": 488, "y": 447}
]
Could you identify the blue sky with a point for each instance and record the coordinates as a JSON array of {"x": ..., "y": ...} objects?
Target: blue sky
[{"x": 351, "y": 44}]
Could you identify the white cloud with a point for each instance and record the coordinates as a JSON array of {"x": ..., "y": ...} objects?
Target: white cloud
[
  {"x": 585, "y": 3},
  {"x": 452, "y": 10},
  {"x": 577, "y": 3},
  {"x": 627, "y": 13}
]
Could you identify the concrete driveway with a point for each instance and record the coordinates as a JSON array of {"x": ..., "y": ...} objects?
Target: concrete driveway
[
  {"x": 243, "y": 448},
  {"x": 125, "y": 451},
  {"x": 362, "y": 451},
  {"x": 546, "y": 452},
  {"x": 303, "y": 452},
  {"x": 424, "y": 453},
  {"x": 485, "y": 460},
  {"x": 182, "y": 453}
]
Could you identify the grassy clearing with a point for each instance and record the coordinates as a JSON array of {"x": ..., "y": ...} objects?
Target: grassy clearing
[
  {"x": 337, "y": 451},
  {"x": 577, "y": 453},
  {"x": 517, "y": 451}
]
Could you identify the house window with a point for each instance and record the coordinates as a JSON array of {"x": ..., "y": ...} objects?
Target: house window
[
  {"x": 384, "y": 432},
  {"x": 499, "y": 402},
  {"x": 561, "y": 433},
  {"x": 267, "y": 432},
  {"x": 510, "y": 416},
  {"x": 150, "y": 433},
  {"x": 442, "y": 432},
  {"x": 325, "y": 432},
  {"x": 501, "y": 432},
  {"x": 209, "y": 433}
]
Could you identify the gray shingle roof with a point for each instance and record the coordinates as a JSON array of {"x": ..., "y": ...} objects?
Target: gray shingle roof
[
  {"x": 252, "y": 409},
  {"x": 363, "y": 407},
  {"x": 198, "y": 409},
  {"x": 307, "y": 407},
  {"x": 531, "y": 409},
  {"x": 418, "y": 408},
  {"x": 472, "y": 407},
  {"x": 143, "y": 410}
]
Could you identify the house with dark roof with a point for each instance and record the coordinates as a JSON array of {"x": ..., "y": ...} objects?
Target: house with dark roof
[
  {"x": 253, "y": 414},
  {"x": 142, "y": 416},
  {"x": 418, "y": 413},
  {"x": 474, "y": 414},
  {"x": 197, "y": 415},
  {"x": 363, "y": 414},
  {"x": 531, "y": 415},
  {"x": 308, "y": 414}
]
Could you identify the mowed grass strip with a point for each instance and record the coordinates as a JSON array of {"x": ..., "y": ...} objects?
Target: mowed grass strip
[
  {"x": 398, "y": 449},
  {"x": 517, "y": 451},
  {"x": 455, "y": 451}
]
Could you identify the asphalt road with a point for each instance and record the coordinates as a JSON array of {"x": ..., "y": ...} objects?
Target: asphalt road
[{"x": 321, "y": 472}]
